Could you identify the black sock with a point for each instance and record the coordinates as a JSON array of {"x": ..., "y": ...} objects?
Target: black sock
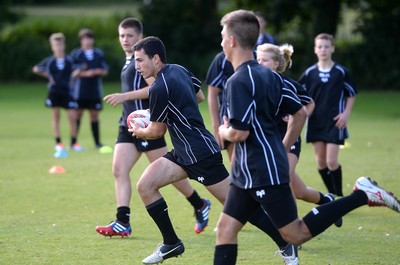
[
  {"x": 323, "y": 199},
  {"x": 262, "y": 221},
  {"x": 336, "y": 179},
  {"x": 195, "y": 201},
  {"x": 58, "y": 140},
  {"x": 326, "y": 178},
  {"x": 73, "y": 140},
  {"x": 158, "y": 210},
  {"x": 96, "y": 132},
  {"x": 225, "y": 254},
  {"x": 323, "y": 216},
  {"x": 123, "y": 214}
]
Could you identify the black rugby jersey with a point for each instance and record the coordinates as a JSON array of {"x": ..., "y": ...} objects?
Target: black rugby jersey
[
  {"x": 173, "y": 101},
  {"x": 59, "y": 74},
  {"x": 300, "y": 92},
  {"x": 89, "y": 88},
  {"x": 219, "y": 71},
  {"x": 255, "y": 95},
  {"x": 131, "y": 80},
  {"x": 329, "y": 90}
]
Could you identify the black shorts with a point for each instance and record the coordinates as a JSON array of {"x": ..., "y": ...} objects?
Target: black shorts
[
  {"x": 57, "y": 100},
  {"x": 124, "y": 136},
  {"x": 208, "y": 171},
  {"x": 90, "y": 104},
  {"x": 277, "y": 201},
  {"x": 296, "y": 148},
  {"x": 327, "y": 134}
]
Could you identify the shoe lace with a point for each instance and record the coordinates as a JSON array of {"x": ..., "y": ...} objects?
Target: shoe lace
[
  {"x": 286, "y": 255},
  {"x": 158, "y": 248}
]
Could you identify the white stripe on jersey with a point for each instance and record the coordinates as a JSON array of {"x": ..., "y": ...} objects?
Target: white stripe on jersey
[
  {"x": 347, "y": 86},
  {"x": 196, "y": 82},
  {"x": 188, "y": 150},
  {"x": 219, "y": 79},
  {"x": 136, "y": 86},
  {"x": 182, "y": 119},
  {"x": 262, "y": 139},
  {"x": 267, "y": 150},
  {"x": 253, "y": 91},
  {"x": 291, "y": 85},
  {"x": 342, "y": 105},
  {"x": 244, "y": 166},
  {"x": 292, "y": 95}
]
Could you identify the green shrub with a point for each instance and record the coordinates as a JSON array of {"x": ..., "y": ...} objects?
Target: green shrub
[{"x": 26, "y": 43}]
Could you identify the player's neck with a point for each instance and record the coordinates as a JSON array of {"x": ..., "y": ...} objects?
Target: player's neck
[
  {"x": 129, "y": 54},
  {"x": 159, "y": 68},
  {"x": 241, "y": 57},
  {"x": 59, "y": 55},
  {"x": 325, "y": 64}
]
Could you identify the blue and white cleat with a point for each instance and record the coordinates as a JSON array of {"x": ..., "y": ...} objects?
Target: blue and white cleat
[{"x": 202, "y": 217}]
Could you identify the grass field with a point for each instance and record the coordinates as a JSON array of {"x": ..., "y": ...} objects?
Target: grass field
[{"x": 50, "y": 219}]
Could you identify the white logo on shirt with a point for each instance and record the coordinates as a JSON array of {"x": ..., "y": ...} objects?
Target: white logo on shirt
[
  {"x": 324, "y": 77},
  {"x": 200, "y": 179},
  {"x": 260, "y": 193}
]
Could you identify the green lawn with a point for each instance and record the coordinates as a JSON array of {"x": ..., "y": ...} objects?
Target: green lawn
[{"x": 50, "y": 219}]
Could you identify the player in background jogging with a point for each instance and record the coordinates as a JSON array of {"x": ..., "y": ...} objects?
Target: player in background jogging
[
  {"x": 128, "y": 149},
  {"x": 333, "y": 90},
  {"x": 60, "y": 70},
  {"x": 89, "y": 86},
  {"x": 218, "y": 72},
  {"x": 279, "y": 59},
  {"x": 264, "y": 36}
]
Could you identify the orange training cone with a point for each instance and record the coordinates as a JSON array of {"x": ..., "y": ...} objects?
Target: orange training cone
[{"x": 56, "y": 170}]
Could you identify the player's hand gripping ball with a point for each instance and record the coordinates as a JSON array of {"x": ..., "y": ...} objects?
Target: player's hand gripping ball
[{"x": 141, "y": 117}]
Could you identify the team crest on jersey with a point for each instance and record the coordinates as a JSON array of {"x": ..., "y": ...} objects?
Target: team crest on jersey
[
  {"x": 127, "y": 62},
  {"x": 260, "y": 193},
  {"x": 324, "y": 77}
]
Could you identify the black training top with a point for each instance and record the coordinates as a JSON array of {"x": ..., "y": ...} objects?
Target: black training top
[
  {"x": 89, "y": 88},
  {"x": 173, "y": 101},
  {"x": 131, "y": 80},
  {"x": 59, "y": 73},
  {"x": 219, "y": 71},
  {"x": 255, "y": 95}
]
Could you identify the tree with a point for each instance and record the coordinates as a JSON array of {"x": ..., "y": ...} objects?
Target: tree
[
  {"x": 373, "y": 60},
  {"x": 6, "y": 15},
  {"x": 189, "y": 29}
]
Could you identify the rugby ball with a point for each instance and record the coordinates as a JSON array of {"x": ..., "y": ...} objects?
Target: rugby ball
[{"x": 141, "y": 117}]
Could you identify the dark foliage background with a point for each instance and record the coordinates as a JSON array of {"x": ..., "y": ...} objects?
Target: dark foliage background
[{"x": 191, "y": 32}]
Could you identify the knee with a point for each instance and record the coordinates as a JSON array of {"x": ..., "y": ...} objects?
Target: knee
[
  {"x": 299, "y": 193},
  {"x": 332, "y": 164},
  {"x": 141, "y": 187},
  {"x": 144, "y": 186},
  {"x": 321, "y": 163},
  {"x": 225, "y": 235},
  {"x": 118, "y": 172}
]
